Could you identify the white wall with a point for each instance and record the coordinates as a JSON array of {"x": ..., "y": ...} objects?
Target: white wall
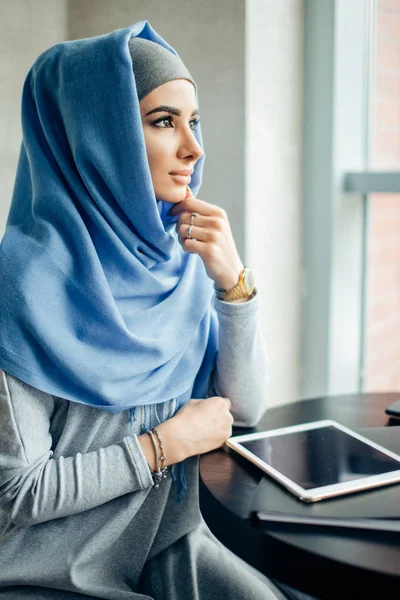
[
  {"x": 274, "y": 68},
  {"x": 27, "y": 28},
  {"x": 246, "y": 57}
]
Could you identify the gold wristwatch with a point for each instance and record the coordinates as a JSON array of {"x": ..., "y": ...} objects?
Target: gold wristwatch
[{"x": 243, "y": 289}]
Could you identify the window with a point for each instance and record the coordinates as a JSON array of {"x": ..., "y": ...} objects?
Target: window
[
  {"x": 381, "y": 352},
  {"x": 351, "y": 197}
]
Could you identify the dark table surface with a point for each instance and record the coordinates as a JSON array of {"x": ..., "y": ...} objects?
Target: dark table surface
[{"x": 340, "y": 564}]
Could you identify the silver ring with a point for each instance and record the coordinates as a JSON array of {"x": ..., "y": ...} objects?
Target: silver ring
[
  {"x": 189, "y": 229},
  {"x": 192, "y": 216}
]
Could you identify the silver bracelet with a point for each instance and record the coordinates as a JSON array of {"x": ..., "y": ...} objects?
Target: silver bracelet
[
  {"x": 163, "y": 455},
  {"x": 159, "y": 473}
]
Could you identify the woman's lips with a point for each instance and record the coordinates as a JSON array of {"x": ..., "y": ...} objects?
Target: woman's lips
[{"x": 184, "y": 179}]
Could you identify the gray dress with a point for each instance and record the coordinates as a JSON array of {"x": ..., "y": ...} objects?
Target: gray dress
[{"x": 79, "y": 517}]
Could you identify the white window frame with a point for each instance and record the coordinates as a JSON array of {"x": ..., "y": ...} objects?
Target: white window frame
[{"x": 339, "y": 37}]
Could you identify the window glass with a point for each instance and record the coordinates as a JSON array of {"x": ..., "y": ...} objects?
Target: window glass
[{"x": 382, "y": 313}]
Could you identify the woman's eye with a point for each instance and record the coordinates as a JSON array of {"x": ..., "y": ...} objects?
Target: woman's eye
[
  {"x": 166, "y": 122},
  {"x": 161, "y": 122}
]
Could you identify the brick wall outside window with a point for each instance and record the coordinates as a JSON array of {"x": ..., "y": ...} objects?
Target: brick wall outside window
[{"x": 382, "y": 372}]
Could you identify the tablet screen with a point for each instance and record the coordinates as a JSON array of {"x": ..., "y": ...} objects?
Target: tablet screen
[{"x": 320, "y": 457}]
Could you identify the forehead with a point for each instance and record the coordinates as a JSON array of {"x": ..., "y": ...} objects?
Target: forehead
[{"x": 179, "y": 93}]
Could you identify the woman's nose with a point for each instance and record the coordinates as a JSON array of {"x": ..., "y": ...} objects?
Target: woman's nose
[{"x": 189, "y": 146}]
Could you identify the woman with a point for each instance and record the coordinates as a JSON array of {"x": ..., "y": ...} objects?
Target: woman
[{"x": 119, "y": 366}]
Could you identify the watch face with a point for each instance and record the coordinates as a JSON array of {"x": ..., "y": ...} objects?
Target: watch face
[{"x": 248, "y": 280}]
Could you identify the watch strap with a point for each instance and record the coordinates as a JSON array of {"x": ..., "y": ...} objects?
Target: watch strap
[{"x": 240, "y": 290}]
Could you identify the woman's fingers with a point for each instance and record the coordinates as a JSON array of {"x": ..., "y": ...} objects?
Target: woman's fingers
[
  {"x": 186, "y": 218},
  {"x": 196, "y": 233},
  {"x": 200, "y": 234},
  {"x": 204, "y": 229},
  {"x": 228, "y": 401},
  {"x": 209, "y": 222},
  {"x": 199, "y": 206}
]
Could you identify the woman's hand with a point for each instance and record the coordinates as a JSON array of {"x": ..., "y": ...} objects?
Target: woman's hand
[
  {"x": 199, "y": 426},
  {"x": 203, "y": 425},
  {"x": 210, "y": 237}
]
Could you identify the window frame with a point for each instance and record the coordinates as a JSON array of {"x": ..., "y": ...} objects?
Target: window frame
[{"x": 339, "y": 39}]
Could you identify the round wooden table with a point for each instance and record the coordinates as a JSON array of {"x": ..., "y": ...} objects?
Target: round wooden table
[{"x": 334, "y": 565}]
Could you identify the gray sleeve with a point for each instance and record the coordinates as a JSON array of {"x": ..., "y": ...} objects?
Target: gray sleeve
[
  {"x": 35, "y": 487},
  {"x": 241, "y": 369}
]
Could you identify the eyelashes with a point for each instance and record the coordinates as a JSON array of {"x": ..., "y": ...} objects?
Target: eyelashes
[{"x": 193, "y": 124}]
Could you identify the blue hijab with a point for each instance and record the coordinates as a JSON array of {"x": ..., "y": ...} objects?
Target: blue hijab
[{"x": 99, "y": 304}]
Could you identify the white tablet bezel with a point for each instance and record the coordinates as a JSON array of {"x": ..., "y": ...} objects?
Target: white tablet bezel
[{"x": 327, "y": 491}]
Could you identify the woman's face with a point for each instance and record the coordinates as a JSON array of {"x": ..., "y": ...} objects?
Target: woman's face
[{"x": 169, "y": 117}]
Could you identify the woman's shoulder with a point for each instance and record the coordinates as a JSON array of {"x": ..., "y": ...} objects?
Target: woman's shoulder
[{"x": 23, "y": 399}]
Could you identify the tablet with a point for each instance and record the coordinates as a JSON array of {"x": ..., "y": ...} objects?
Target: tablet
[{"x": 319, "y": 460}]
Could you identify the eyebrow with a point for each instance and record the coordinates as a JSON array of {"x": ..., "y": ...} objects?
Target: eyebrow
[{"x": 170, "y": 109}]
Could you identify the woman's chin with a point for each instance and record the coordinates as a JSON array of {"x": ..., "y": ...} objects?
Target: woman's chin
[{"x": 173, "y": 196}]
